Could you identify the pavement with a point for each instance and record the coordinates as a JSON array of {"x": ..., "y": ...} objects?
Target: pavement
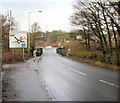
[{"x": 23, "y": 83}]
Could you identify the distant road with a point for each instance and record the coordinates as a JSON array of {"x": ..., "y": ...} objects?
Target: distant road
[{"x": 69, "y": 80}]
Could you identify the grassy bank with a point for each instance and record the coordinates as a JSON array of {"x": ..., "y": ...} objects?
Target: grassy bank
[
  {"x": 95, "y": 58},
  {"x": 95, "y": 63}
]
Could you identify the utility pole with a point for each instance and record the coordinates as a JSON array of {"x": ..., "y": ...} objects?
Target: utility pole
[{"x": 11, "y": 29}]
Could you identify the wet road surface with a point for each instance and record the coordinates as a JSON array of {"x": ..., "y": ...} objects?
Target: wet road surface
[
  {"x": 69, "y": 80},
  {"x": 52, "y": 77}
]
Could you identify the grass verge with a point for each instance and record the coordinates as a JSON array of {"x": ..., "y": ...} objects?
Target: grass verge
[{"x": 96, "y": 63}]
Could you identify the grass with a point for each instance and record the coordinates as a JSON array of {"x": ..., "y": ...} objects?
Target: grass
[
  {"x": 96, "y": 63},
  {"x": 92, "y": 58}
]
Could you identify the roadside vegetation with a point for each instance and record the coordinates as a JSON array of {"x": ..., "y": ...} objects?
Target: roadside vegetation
[
  {"x": 77, "y": 51},
  {"x": 7, "y": 55},
  {"x": 98, "y": 31},
  {"x": 10, "y": 55}
]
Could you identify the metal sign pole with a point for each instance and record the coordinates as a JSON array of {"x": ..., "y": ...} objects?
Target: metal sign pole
[{"x": 23, "y": 54}]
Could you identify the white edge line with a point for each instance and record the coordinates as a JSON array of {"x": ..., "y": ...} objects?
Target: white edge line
[{"x": 109, "y": 83}]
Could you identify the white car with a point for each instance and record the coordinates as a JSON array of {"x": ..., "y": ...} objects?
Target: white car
[{"x": 48, "y": 47}]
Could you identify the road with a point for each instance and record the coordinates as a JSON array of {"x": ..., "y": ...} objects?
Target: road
[{"x": 69, "y": 80}]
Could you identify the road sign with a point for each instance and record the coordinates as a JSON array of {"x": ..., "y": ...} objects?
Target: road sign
[{"x": 18, "y": 39}]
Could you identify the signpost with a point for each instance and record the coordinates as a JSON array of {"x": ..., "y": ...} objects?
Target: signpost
[{"x": 18, "y": 39}]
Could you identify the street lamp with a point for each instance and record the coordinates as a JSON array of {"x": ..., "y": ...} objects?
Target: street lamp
[{"x": 29, "y": 28}]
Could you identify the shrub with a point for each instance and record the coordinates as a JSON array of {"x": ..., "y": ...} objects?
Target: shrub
[
  {"x": 72, "y": 54},
  {"x": 108, "y": 59},
  {"x": 87, "y": 55},
  {"x": 10, "y": 58},
  {"x": 62, "y": 51}
]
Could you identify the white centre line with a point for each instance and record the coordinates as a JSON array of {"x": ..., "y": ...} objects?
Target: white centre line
[
  {"x": 61, "y": 64},
  {"x": 77, "y": 71},
  {"x": 73, "y": 69},
  {"x": 109, "y": 83}
]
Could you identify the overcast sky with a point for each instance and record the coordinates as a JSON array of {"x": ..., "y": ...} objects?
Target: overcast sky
[{"x": 54, "y": 16}]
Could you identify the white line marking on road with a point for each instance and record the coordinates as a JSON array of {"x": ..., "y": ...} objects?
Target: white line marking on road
[
  {"x": 61, "y": 64},
  {"x": 77, "y": 71},
  {"x": 109, "y": 83},
  {"x": 73, "y": 69}
]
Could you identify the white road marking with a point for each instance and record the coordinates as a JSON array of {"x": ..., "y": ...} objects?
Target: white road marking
[
  {"x": 73, "y": 69},
  {"x": 109, "y": 83},
  {"x": 61, "y": 64},
  {"x": 77, "y": 71}
]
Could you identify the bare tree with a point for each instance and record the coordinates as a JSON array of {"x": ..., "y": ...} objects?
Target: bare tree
[
  {"x": 35, "y": 27},
  {"x": 5, "y": 27},
  {"x": 101, "y": 18},
  {"x": 35, "y": 35}
]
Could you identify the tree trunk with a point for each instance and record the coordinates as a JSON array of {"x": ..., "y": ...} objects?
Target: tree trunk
[
  {"x": 105, "y": 41},
  {"x": 85, "y": 37},
  {"x": 107, "y": 27},
  {"x": 116, "y": 45}
]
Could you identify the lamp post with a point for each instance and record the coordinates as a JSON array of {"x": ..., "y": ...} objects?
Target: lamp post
[{"x": 29, "y": 29}]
